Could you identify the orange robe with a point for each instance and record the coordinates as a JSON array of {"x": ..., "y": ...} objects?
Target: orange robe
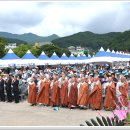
[
  {"x": 32, "y": 94},
  {"x": 95, "y": 97},
  {"x": 40, "y": 93},
  {"x": 46, "y": 92},
  {"x": 55, "y": 94},
  {"x": 83, "y": 94},
  {"x": 110, "y": 98},
  {"x": 124, "y": 93},
  {"x": 43, "y": 94},
  {"x": 73, "y": 95},
  {"x": 64, "y": 94}
]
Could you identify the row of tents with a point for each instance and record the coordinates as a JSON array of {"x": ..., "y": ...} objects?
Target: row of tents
[{"x": 11, "y": 59}]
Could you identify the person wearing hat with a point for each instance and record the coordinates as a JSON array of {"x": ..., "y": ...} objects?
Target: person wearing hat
[
  {"x": 8, "y": 88},
  {"x": 110, "y": 96},
  {"x": 2, "y": 95},
  {"x": 32, "y": 92},
  {"x": 95, "y": 96},
  {"x": 15, "y": 84}
]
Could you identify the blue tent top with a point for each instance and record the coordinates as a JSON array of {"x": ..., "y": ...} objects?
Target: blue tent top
[
  {"x": 29, "y": 55},
  {"x": 79, "y": 57},
  {"x": 54, "y": 57},
  {"x": 84, "y": 57},
  {"x": 64, "y": 57},
  {"x": 72, "y": 57},
  {"x": 43, "y": 56},
  {"x": 102, "y": 53},
  {"x": 10, "y": 56}
]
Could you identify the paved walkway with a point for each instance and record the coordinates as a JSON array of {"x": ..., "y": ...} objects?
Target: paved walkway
[{"x": 23, "y": 114}]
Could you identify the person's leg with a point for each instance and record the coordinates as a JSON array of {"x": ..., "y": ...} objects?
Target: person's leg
[
  {"x": 16, "y": 97},
  {"x": 9, "y": 96},
  {"x": 2, "y": 96}
]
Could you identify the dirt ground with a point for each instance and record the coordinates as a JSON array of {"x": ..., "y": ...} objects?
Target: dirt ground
[{"x": 23, "y": 114}]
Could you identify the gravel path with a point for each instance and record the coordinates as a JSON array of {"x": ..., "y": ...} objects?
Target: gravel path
[{"x": 23, "y": 114}]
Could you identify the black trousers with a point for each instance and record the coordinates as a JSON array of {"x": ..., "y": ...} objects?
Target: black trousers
[
  {"x": 16, "y": 96},
  {"x": 2, "y": 95},
  {"x": 9, "y": 95}
]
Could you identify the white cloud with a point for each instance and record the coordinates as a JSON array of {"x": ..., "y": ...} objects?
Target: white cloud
[{"x": 63, "y": 18}]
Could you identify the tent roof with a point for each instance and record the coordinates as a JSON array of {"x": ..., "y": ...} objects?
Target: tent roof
[
  {"x": 29, "y": 55},
  {"x": 10, "y": 56},
  {"x": 43, "y": 56},
  {"x": 64, "y": 57},
  {"x": 72, "y": 57},
  {"x": 54, "y": 57}
]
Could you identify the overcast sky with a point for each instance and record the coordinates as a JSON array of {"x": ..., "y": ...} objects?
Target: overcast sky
[{"x": 64, "y": 18}]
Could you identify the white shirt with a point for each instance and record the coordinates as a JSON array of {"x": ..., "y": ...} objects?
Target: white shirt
[{"x": 118, "y": 93}]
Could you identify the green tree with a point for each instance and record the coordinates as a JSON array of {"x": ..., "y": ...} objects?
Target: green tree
[
  {"x": 22, "y": 49},
  {"x": 2, "y": 47}
]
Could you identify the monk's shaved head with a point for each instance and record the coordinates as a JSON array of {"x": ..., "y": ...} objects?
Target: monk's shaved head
[{"x": 110, "y": 79}]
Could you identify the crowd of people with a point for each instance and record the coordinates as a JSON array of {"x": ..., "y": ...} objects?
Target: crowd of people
[{"x": 75, "y": 86}]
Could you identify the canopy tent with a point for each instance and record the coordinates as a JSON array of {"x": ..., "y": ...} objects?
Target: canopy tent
[
  {"x": 43, "y": 56},
  {"x": 29, "y": 58},
  {"x": 29, "y": 55},
  {"x": 10, "y": 59},
  {"x": 54, "y": 59},
  {"x": 43, "y": 59},
  {"x": 118, "y": 56},
  {"x": 82, "y": 59},
  {"x": 10, "y": 56},
  {"x": 101, "y": 56},
  {"x": 64, "y": 59},
  {"x": 72, "y": 59}
]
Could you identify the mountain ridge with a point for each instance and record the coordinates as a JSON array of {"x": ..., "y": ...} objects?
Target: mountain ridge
[{"x": 29, "y": 37}]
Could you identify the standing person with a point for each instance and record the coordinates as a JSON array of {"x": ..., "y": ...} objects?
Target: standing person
[
  {"x": 2, "y": 94},
  {"x": 8, "y": 83},
  {"x": 46, "y": 92},
  {"x": 15, "y": 84},
  {"x": 114, "y": 79},
  {"x": 110, "y": 96},
  {"x": 83, "y": 93},
  {"x": 43, "y": 93},
  {"x": 122, "y": 92},
  {"x": 55, "y": 92},
  {"x": 32, "y": 92},
  {"x": 20, "y": 83},
  {"x": 95, "y": 97},
  {"x": 63, "y": 91},
  {"x": 72, "y": 93}
]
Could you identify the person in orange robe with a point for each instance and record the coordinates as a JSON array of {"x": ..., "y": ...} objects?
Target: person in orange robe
[
  {"x": 83, "y": 93},
  {"x": 122, "y": 91},
  {"x": 72, "y": 93},
  {"x": 55, "y": 92},
  {"x": 110, "y": 96},
  {"x": 43, "y": 93},
  {"x": 95, "y": 96},
  {"x": 32, "y": 92},
  {"x": 39, "y": 99},
  {"x": 46, "y": 91},
  {"x": 63, "y": 91}
]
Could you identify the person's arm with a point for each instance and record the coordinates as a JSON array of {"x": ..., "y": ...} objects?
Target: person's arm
[{"x": 118, "y": 93}]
